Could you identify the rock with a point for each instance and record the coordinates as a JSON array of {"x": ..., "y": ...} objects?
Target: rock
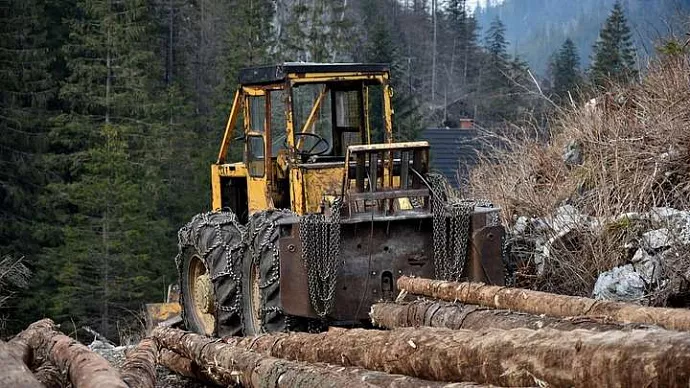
[
  {"x": 100, "y": 345},
  {"x": 621, "y": 283},
  {"x": 521, "y": 225},
  {"x": 666, "y": 214},
  {"x": 631, "y": 282},
  {"x": 572, "y": 153},
  {"x": 566, "y": 218},
  {"x": 659, "y": 238},
  {"x": 647, "y": 266}
]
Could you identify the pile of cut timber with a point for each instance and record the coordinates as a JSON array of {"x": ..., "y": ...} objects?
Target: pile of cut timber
[{"x": 461, "y": 333}]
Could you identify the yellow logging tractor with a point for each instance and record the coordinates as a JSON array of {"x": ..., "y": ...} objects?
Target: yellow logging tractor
[{"x": 325, "y": 211}]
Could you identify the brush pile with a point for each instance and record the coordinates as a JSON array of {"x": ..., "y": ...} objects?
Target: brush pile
[{"x": 617, "y": 171}]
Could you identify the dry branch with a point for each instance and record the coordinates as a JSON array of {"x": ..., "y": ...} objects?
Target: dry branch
[
  {"x": 458, "y": 316},
  {"x": 537, "y": 302},
  {"x": 13, "y": 372},
  {"x": 582, "y": 358},
  {"x": 139, "y": 368},
  {"x": 226, "y": 364},
  {"x": 86, "y": 369}
]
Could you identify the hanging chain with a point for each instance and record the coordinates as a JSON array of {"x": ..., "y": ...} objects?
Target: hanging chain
[
  {"x": 451, "y": 219},
  {"x": 320, "y": 238}
]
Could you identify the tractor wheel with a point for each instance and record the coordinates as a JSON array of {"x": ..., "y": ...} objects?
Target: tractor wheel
[
  {"x": 261, "y": 280},
  {"x": 209, "y": 260}
]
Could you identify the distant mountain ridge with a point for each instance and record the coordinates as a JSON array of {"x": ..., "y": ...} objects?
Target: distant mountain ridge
[{"x": 536, "y": 28}]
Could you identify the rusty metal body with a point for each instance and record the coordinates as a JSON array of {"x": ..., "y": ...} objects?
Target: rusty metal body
[{"x": 378, "y": 251}]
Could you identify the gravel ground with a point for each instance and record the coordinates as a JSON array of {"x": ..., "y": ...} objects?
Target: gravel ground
[{"x": 166, "y": 378}]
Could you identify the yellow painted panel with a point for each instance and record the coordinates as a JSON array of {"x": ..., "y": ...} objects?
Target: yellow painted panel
[
  {"x": 216, "y": 201},
  {"x": 257, "y": 193},
  {"x": 320, "y": 182}
]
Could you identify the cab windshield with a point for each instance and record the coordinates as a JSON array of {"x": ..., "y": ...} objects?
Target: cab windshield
[{"x": 335, "y": 113}]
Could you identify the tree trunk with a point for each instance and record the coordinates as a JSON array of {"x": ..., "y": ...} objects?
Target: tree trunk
[
  {"x": 86, "y": 369},
  {"x": 229, "y": 365},
  {"x": 20, "y": 348},
  {"x": 45, "y": 372},
  {"x": 13, "y": 372},
  {"x": 50, "y": 376},
  {"x": 182, "y": 366},
  {"x": 517, "y": 357},
  {"x": 537, "y": 302},
  {"x": 139, "y": 368},
  {"x": 471, "y": 317}
]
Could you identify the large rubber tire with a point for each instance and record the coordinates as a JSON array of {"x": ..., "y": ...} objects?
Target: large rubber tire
[
  {"x": 261, "y": 277},
  {"x": 216, "y": 239}
]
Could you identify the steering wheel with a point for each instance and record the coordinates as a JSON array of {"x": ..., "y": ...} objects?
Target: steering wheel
[{"x": 311, "y": 151}]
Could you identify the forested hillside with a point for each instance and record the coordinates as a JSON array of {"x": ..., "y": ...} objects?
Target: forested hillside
[
  {"x": 537, "y": 28},
  {"x": 112, "y": 110}
]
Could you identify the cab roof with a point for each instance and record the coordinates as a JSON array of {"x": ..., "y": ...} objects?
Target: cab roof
[{"x": 280, "y": 72}]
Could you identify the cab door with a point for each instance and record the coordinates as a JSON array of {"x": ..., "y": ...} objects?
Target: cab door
[{"x": 257, "y": 149}]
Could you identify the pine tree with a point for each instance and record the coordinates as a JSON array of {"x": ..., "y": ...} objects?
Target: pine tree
[
  {"x": 380, "y": 46},
  {"x": 496, "y": 84},
  {"x": 316, "y": 31},
  {"x": 460, "y": 58},
  {"x": 565, "y": 70},
  {"x": 463, "y": 31},
  {"x": 26, "y": 88},
  {"x": 614, "y": 53},
  {"x": 116, "y": 248}
]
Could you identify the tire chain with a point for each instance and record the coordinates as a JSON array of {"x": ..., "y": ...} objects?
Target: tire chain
[
  {"x": 320, "y": 239},
  {"x": 261, "y": 221},
  {"x": 451, "y": 219},
  {"x": 189, "y": 236}
]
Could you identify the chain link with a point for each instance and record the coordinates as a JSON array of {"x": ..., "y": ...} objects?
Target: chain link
[
  {"x": 320, "y": 238},
  {"x": 451, "y": 219},
  {"x": 190, "y": 235}
]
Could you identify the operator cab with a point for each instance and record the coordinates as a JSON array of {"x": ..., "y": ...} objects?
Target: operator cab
[
  {"x": 329, "y": 107},
  {"x": 313, "y": 133}
]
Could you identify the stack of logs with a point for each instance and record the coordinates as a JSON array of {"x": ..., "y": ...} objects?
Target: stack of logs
[{"x": 493, "y": 336}]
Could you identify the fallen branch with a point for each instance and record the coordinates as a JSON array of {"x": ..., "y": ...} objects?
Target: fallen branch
[
  {"x": 227, "y": 365},
  {"x": 86, "y": 369},
  {"x": 537, "y": 302},
  {"x": 13, "y": 372},
  {"x": 139, "y": 368},
  {"x": 458, "y": 316},
  {"x": 517, "y": 357}
]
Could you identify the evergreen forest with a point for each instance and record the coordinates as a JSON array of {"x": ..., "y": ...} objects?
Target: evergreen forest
[{"x": 111, "y": 112}]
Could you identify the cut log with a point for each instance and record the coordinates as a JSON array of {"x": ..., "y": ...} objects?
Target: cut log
[
  {"x": 458, "y": 316},
  {"x": 517, "y": 357},
  {"x": 139, "y": 368},
  {"x": 13, "y": 372},
  {"x": 182, "y": 366},
  {"x": 85, "y": 368},
  {"x": 50, "y": 376},
  {"x": 537, "y": 302},
  {"x": 228, "y": 365},
  {"x": 20, "y": 348}
]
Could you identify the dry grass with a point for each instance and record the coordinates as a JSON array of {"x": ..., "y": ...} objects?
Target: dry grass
[{"x": 636, "y": 151}]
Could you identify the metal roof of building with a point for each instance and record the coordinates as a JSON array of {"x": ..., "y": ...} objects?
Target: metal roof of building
[
  {"x": 279, "y": 72},
  {"x": 453, "y": 152}
]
